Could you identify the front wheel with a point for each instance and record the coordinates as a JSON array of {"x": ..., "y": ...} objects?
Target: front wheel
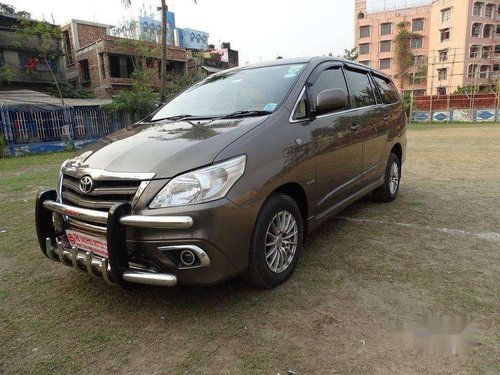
[
  {"x": 389, "y": 190},
  {"x": 276, "y": 242}
]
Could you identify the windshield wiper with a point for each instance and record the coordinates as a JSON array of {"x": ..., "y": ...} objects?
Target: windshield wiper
[
  {"x": 173, "y": 118},
  {"x": 246, "y": 114}
]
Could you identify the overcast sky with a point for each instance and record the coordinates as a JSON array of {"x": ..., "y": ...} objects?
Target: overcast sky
[{"x": 259, "y": 29}]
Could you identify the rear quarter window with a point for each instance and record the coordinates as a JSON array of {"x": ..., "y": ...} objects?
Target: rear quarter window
[{"x": 387, "y": 90}]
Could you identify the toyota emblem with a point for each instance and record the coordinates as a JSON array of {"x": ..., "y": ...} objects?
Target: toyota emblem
[{"x": 86, "y": 184}]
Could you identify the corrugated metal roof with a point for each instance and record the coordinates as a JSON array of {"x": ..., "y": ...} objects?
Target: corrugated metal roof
[{"x": 40, "y": 100}]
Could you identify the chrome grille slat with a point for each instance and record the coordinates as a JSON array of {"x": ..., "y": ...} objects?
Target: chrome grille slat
[
  {"x": 100, "y": 190},
  {"x": 104, "y": 195},
  {"x": 86, "y": 203}
]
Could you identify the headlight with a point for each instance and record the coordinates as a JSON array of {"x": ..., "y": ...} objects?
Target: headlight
[
  {"x": 59, "y": 181},
  {"x": 200, "y": 186}
]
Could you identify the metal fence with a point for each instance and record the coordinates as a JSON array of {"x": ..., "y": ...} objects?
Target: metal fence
[{"x": 21, "y": 126}]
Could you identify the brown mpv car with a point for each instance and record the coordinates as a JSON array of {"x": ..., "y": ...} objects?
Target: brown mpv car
[{"x": 228, "y": 177}]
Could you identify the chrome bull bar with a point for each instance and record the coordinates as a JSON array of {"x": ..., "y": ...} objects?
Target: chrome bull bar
[
  {"x": 116, "y": 269},
  {"x": 85, "y": 261}
]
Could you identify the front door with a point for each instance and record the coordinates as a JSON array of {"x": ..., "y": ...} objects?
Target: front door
[{"x": 337, "y": 147}]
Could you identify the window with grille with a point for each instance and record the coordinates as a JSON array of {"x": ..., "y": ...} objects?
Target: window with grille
[
  {"x": 364, "y": 31},
  {"x": 445, "y": 34},
  {"x": 446, "y": 15},
  {"x": 385, "y": 46},
  {"x": 385, "y": 64},
  {"x": 442, "y": 74},
  {"x": 476, "y": 30},
  {"x": 472, "y": 71},
  {"x": 477, "y": 9},
  {"x": 417, "y": 43},
  {"x": 386, "y": 29},
  {"x": 490, "y": 11},
  {"x": 441, "y": 91},
  {"x": 474, "y": 52},
  {"x": 419, "y": 60},
  {"x": 486, "y": 52},
  {"x": 364, "y": 49},
  {"x": 443, "y": 55},
  {"x": 488, "y": 31},
  {"x": 417, "y": 25},
  {"x": 485, "y": 71}
]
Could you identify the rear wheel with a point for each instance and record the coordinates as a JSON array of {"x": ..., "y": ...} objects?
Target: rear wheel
[
  {"x": 276, "y": 242},
  {"x": 389, "y": 190}
]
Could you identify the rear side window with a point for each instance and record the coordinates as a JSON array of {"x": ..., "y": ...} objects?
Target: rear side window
[
  {"x": 387, "y": 89},
  {"x": 361, "y": 89},
  {"x": 330, "y": 79}
]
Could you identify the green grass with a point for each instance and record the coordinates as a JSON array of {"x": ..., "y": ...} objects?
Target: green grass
[
  {"x": 353, "y": 281},
  {"x": 453, "y": 125}
]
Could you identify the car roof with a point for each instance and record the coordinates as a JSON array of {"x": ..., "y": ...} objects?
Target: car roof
[{"x": 316, "y": 60}]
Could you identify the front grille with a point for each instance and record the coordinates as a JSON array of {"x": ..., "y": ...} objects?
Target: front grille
[{"x": 103, "y": 196}]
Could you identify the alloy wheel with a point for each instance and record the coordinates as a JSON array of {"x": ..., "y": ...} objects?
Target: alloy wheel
[{"x": 281, "y": 241}]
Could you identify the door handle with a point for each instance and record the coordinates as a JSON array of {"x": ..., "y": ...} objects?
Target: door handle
[{"x": 355, "y": 128}]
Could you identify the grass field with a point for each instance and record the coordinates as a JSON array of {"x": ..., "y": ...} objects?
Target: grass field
[{"x": 435, "y": 250}]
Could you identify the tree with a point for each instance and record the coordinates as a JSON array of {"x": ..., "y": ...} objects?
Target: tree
[
  {"x": 9, "y": 9},
  {"x": 139, "y": 101},
  {"x": 5, "y": 74},
  {"x": 350, "y": 54},
  {"x": 45, "y": 39},
  {"x": 405, "y": 59},
  {"x": 163, "y": 72}
]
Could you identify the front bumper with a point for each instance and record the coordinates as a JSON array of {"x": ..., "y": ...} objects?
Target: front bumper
[{"x": 117, "y": 268}]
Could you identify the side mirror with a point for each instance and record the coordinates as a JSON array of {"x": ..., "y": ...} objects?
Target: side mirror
[{"x": 330, "y": 100}]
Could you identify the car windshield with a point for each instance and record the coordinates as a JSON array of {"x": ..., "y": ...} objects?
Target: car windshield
[{"x": 247, "y": 91}]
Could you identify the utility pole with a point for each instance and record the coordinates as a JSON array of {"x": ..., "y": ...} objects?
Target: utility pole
[{"x": 163, "y": 83}]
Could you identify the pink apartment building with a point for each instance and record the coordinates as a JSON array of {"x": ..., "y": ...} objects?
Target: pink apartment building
[{"x": 460, "y": 43}]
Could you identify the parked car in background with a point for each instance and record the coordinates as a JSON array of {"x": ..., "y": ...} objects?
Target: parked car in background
[{"x": 229, "y": 177}]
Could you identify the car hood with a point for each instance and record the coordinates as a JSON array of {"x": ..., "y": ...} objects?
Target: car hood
[{"x": 165, "y": 149}]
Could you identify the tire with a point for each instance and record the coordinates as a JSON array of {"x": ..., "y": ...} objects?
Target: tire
[
  {"x": 389, "y": 190},
  {"x": 265, "y": 269}
]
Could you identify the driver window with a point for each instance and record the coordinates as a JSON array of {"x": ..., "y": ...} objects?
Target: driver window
[{"x": 330, "y": 79}]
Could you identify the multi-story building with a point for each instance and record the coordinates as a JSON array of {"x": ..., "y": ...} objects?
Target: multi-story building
[
  {"x": 105, "y": 63},
  {"x": 104, "y": 57},
  {"x": 465, "y": 45},
  {"x": 456, "y": 42},
  {"x": 20, "y": 55},
  {"x": 376, "y": 31}
]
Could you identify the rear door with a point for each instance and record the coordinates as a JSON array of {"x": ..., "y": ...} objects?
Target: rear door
[
  {"x": 373, "y": 125},
  {"x": 379, "y": 146},
  {"x": 337, "y": 148}
]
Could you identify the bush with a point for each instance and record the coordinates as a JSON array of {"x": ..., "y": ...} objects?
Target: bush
[
  {"x": 139, "y": 101},
  {"x": 2, "y": 146},
  {"x": 70, "y": 90}
]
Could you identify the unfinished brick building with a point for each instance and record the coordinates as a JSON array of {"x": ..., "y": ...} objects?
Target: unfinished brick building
[{"x": 97, "y": 60}]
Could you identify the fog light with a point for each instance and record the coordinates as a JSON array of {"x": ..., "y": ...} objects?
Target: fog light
[{"x": 188, "y": 258}]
